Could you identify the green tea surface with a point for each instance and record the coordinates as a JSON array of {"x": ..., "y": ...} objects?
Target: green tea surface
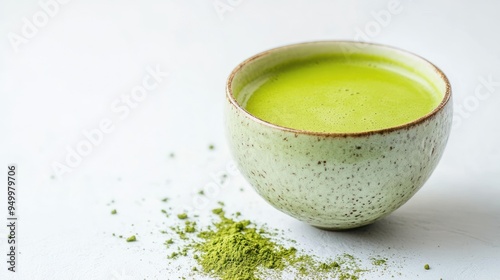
[{"x": 342, "y": 95}]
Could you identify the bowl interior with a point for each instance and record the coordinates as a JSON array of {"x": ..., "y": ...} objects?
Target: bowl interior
[{"x": 252, "y": 73}]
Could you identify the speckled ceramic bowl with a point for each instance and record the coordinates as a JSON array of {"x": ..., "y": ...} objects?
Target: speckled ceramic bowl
[{"x": 332, "y": 180}]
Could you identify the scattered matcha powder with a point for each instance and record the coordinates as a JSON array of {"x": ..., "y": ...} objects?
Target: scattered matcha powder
[
  {"x": 217, "y": 211},
  {"x": 190, "y": 227},
  {"x": 236, "y": 249},
  {"x": 165, "y": 212},
  {"x": 379, "y": 262},
  {"x": 131, "y": 239},
  {"x": 231, "y": 249},
  {"x": 170, "y": 241},
  {"x": 211, "y": 147},
  {"x": 180, "y": 232}
]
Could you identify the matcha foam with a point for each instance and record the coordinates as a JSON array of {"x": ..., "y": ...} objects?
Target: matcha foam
[{"x": 341, "y": 94}]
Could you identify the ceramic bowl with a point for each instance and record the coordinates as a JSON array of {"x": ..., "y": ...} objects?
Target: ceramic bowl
[{"x": 335, "y": 180}]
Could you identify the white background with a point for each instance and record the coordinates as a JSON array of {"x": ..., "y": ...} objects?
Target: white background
[{"x": 64, "y": 78}]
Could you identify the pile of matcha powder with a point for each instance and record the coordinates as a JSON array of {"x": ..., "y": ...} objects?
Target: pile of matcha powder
[{"x": 237, "y": 249}]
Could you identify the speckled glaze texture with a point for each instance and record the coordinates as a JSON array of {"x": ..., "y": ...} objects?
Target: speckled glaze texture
[{"x": 337, "y": 181}]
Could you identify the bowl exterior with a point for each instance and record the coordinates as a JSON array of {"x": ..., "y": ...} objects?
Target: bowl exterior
[{"x": 332, "y": 181}]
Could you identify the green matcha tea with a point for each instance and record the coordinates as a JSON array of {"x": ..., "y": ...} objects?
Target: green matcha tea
[{"x": 341, "y": 94}]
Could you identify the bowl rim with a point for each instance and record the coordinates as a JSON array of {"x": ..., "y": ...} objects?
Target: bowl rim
[{"x": 230, "y": 97}]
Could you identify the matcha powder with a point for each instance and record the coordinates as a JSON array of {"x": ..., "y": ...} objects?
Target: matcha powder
[{"x": 236, "y": 249}]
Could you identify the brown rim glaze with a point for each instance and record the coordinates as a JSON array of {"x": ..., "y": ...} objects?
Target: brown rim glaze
[{"x": 432, "y": 114}]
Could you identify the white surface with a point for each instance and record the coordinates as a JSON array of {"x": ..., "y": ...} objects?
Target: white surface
[{"x": 66, "y": 78}]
